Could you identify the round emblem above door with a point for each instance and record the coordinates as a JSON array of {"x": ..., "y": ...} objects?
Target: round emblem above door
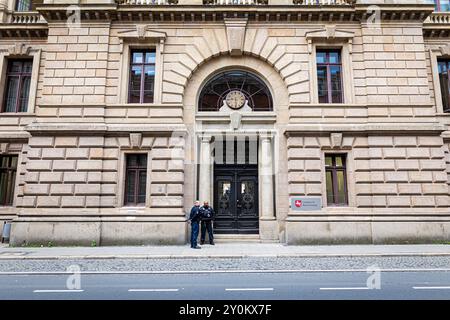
[{"x": 235, "y": 99}]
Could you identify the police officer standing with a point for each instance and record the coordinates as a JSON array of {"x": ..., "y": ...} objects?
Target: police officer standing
[
  {"x": 194, "y": 218},
  {"x": 207, "y": 214}
]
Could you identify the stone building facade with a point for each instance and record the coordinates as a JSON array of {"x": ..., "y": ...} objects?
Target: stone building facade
[{"x": 331, "y": 116}]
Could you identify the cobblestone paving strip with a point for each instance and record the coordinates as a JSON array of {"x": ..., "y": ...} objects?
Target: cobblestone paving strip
[{"x": 211, "y": 264}]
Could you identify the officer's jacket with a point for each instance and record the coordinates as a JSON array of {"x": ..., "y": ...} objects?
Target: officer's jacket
[
  {"x": 195, "y": 214},
  {"x": 207, "y": 213}
]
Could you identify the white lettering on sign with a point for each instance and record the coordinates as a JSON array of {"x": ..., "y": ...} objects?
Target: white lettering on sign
[{"x": 306, "y": 203}]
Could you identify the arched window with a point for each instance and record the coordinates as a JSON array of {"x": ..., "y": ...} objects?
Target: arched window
[{"x": 236, "y": 88}]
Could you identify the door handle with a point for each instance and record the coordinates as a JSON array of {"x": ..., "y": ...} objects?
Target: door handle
[{"x": 238, "y": 204}]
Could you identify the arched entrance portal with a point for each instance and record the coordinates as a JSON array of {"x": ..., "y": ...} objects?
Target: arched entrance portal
[{"x": 236, "y": 169}]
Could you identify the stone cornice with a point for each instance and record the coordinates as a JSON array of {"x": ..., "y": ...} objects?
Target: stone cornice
[
  {"x": 366, "y": 128},
  {"x": 436, "y": 24},
  {"x": 258, "y": 13},
  {"x": 102, "y": 129},
  {"x": 12, "y": 31}
]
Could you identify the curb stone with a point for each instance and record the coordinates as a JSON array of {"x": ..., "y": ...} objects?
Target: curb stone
[{"x": 219, "y": 256}]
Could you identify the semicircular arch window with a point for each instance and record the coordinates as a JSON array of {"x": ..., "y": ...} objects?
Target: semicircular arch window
[{"x": 236, "y": 89}]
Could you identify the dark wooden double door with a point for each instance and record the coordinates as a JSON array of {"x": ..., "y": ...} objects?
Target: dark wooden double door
[{"x": 236, "y": 199}]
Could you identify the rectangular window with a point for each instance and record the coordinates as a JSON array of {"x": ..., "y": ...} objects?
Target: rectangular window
[
  {"x": 23, "y": 5},
  {"x": 18, "y": 80},
  {"x": 8, "y": 169},
  {"x": 443, "y": 67},
  {"x": 136, "y": 179},
  {"x": 442, "y": 5},
  {"x": 336, "y": 179},
  {"x": 329, "y": 76},
  {"x": 142, "y": 76}
]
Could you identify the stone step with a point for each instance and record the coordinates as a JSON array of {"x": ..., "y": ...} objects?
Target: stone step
[{"x": 227, "y": 238}]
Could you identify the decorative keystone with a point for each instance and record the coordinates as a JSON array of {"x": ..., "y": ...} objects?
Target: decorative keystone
[
  {"x": 19, "y": 49},
  {"x": 336, "y": 139},
  {"x": 235, "y": 120},
  {"x": 135, "y": 140},
  {"x": 236, "y": 35}
]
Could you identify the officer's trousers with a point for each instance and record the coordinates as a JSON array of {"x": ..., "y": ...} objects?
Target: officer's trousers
[{"x": 207, "y": 225}]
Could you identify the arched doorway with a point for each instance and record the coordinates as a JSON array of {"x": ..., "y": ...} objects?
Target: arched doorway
[
  {"x": 262, "y": 127},
  {"x": 235, "y": 170}
]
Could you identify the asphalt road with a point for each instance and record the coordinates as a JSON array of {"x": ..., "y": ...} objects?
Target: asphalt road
[{"x": 229, "y": 285}]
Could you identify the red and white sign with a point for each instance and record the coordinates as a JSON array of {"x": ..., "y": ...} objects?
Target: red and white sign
[{"x": 298, "y": 203}]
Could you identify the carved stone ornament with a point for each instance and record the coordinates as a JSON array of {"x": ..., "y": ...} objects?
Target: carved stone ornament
[
  {"x": 235, "y": 35},
  {"x": 336, "y": 139},
  {"x": 3, "y": 147},
  {"x": 329, "y": 32},
  {"x": 140, "y": 29},
  {"x": 445, "y": 50},
  {"x": 135, "y": 140},
  {"x": 141, "y": 32},
  {"x": 235, "y": 120},
  {"x": 19, "y": 49}
]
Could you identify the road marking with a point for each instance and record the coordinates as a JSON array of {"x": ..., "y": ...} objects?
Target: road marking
[
  {"x": 56, "y": 291},
  {"x": 220, "y": 271},
  {"x": 249, "y": 289},
  {"x": 433, "y": 288},
  {"x": 347, "y": 288},
  {"x": 152, "y": 290}
]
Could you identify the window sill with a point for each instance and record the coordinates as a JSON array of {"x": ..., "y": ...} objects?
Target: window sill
[
  {"x": 8, "y": 210},
  {"x": 330, "y": 105},
  {"x": 133, "y": 207},
  {"x": 337, "y": 207},
  {"x": 17, "y": 114},
  {"x": 145, "y": 105}
]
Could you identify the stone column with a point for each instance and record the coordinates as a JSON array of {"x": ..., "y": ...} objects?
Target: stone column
[
  {"x": 4, "y": 11},
  {"x": 268, "y": 222},
  {"x": 205, "y": 169},
  {"x": 267, "y": 178}
]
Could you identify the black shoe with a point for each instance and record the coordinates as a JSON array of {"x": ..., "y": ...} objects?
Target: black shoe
[
  {"x": 212, "y": 243},
  {"x": 197, "y": 247},
  {"x": 202, "y": 242}
]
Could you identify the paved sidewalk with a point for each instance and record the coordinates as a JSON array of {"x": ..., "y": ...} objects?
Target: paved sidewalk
[{"x": 221, "y": 250}]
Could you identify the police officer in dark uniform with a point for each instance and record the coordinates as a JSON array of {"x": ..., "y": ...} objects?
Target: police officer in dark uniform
[
  {"x": 194, "y": 218},
  {"x": 207, "y": 214}
]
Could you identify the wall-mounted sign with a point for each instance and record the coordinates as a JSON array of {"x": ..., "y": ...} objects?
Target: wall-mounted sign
[{"x": 306, "y": 203}]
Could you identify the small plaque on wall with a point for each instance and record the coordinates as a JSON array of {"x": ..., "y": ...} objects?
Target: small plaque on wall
[{"x": 306, "y": 203}]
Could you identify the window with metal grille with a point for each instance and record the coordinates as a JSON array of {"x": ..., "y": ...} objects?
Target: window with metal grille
[
  {"x": 329, "y": 76},
  {"x": 142, "y": 76},
  {"x": 8, "y": 170},
  {"x": 336, "y": 179},
  {"x": 18, "y": 80},
  {"x": 235, "y": 150},
  {"x": 444, "y": 69},
  {"x": 135, "y": 179},
  {"x": 23, "y": 5}
]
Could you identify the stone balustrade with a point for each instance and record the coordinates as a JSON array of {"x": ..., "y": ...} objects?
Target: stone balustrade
[
  {"x": 147, "y": 2},
  {"x": 30, "y": 17},
  {"x": 324, "y": 2},
  {"x": 241, "y": 2},
  {"x": 439, "y": 18},
  {"x": 235, "y": 2}
]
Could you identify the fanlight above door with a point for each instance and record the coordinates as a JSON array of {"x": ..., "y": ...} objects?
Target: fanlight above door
[{"x": 235, "y": 89}]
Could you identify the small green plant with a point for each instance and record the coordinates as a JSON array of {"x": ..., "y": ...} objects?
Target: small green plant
[
  {"x": 50, "y": 244},
  {"x": 93, "y": 243}
]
